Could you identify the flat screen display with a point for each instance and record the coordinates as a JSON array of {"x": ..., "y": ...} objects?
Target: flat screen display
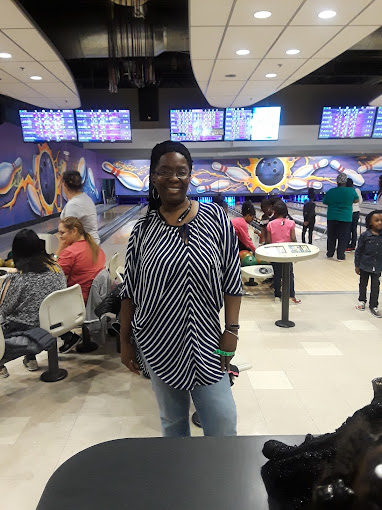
[
  {"x": 48, "y": 125},
  {"x": 259, "y": 123},
  {"x": 377, "y": 132},
  {"x": 348, "y": 122},
  {"x": 197, "y": 125},
  {"x": 103, "y": 125}
]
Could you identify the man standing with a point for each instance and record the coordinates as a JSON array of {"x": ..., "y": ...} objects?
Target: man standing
[{"x": 340, "y": 202}]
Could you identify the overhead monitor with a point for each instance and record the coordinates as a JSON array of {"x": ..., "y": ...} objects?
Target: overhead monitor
[
  {"x": 197, "y": 125},
  {"x": 347, "y": 122},
  {"x": 103, "y": 125},
  {"x": 377, "y": 132},
  {"x": 48, "y": 125},
  {"x": 258, "y": 123}
]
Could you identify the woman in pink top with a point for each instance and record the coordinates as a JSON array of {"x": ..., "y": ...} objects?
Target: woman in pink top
[
  {"x": 240, "y": 224},
  {"x": 281, "y": 230}
]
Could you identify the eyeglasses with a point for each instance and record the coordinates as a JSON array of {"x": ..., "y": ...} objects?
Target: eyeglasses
[
  {"x": 62, "y": 232},
  {"x": 166, "y": 173}
]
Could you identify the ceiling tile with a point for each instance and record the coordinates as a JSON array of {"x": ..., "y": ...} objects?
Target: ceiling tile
[
  {"x": 202, "y": 69},
  {"x": 24, "y": 70},
  {"x": 371, "y": 15},
  {"x": 34, "y": 43},
  {"x": 12, "y": 16},
  {"x": 224, "y": 87},
  {"x": 219, "y": 101},
  {"x": 18, "y": 90},
  {"x": 306, "y": 39},
  {"x": 8, "y": 46},
  {"x": 242, "y": 68},
  {"x": 203, "y": 86},
  {"x": 204, "y": 42},
  {"x": 307, "y": 68},
  {"x": 255, "y": 39},
  {"x": 345, "y": 9},
  {"x": 209, "y": 12},
  {"x": 44, "y": 102},
  {"x": 281, "y": 12},
  {"x": 7, "y": 78},
  {"x": 57, "y": 89},
  {"x": 66, "y": 103},
  {"x": 345, "y": 40},
  {"x": 282, "y": 67},
  {"x": 58, "y": 69}
]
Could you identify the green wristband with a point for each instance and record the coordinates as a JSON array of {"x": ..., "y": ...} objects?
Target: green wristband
[{"x": 224, "y": 353}]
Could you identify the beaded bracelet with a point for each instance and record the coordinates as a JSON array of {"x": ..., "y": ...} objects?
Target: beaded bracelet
[
  {"x": 232, "y": 333},
  {"x": 224, "y": 353}
]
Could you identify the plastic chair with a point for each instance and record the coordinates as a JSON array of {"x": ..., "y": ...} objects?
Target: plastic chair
[
  {"x": 51, "y": 242},
  {"x": 60, "y": 312},
  {"x": 112, "y": 266},
  {"x": 2, "y": 343},
  {"x": 119, "y": 273}
]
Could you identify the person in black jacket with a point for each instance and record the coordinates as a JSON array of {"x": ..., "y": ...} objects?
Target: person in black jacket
[
  {"x": 368, "y": 261},
  {"x": 309, "y": 213}
]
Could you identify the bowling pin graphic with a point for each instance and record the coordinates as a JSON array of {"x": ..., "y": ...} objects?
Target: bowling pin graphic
[
  {"x": 195, "y": 181},
  {"x": 298, "y": 183},
  {"x": 307, "y": 170},
  {"x": 146, "y": 183},
  {"x": 126, "y": 178},
  {"x": 375, "y": 165},
  {"x": 34, "y": 200},
  {"x": 7, "y": 173},
  {"x": 92, "y": 183},
  {"x": 235, "y": 173},
  {"x": 357, "y": 179},
  {"x": 82, "y": 169},
  {"x": 221, "y": 185}
]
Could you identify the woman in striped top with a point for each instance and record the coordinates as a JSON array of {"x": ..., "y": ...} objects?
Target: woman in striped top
[{"x": 182, "y": 265}]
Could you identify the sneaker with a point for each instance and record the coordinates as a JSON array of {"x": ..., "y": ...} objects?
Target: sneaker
[
  {"x": 3, "y": 372},
  {"x": 277, "y": 299},
  {"x": 350, "y": 249},
  {"x": 362, "y": 306},
  {"x": 31, "y": 364},
  {"x": 295, "y": 300},
  {"x": 340, "y": 260},
  {"x": 376, "y": 313},
  {"x": 69, "y": 344}
]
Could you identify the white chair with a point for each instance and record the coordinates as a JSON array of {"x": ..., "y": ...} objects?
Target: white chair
[
  {"x": 60, "y": 312},
  {"x": 120, "y": 271},
  {"x": 112, "y": 266},
  {"x": 2, "y": 343},
  {"x": 51, "y": 242}
]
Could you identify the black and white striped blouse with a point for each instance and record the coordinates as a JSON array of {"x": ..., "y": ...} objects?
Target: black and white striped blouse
[{"x": 178, "y": 289}]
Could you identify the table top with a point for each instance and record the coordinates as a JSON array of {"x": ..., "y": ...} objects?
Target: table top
[
  {"x": 211, "y": 473},
  {"x": 258, "y": 271},
  {"x": 286, "y": 252}
]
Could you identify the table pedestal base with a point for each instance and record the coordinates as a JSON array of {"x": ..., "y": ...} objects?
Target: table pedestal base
[{"x": 285, "y": 322}]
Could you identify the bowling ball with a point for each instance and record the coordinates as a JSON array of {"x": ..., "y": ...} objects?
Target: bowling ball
[
  {"x": 270, "y": 171},
  {"x": 2, "y": 263},
  {"x": 47, "y": 178},
  {"x": 249, "y": 260},
  {"x": 9, "y": 263},
  {"x": 244, "y": 253}
]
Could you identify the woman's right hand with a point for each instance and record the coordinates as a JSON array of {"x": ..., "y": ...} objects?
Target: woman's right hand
[
  {"x": 358, "y": 272},
  {"x": 128, "y": 357}
]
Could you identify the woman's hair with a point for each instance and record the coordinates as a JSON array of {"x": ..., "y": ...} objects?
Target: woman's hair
[
  {"x": 248, "y": 208},
  {"x": 369, "y": 216},
  {"x": 311, "y": 194},
  {"x": 280, "y": 209},
  {"x": 349, "y": 182},
  {"x": 29, "y": 255},
  {"x": 72, "y": 180},
  {"x": 158, "y": 151},
  {"x": 265, "y": 204},
  {"x": 70, "y": 223}
]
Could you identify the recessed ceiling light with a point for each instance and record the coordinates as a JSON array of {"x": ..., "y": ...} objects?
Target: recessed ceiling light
[
  {"x": 35, "y": 77},
  {"x": 271, "y": 75},
  {"x": 5, "y": 55},
  {"x": 292, "y": 52},
  {"x": 230, "y": 75},
  {"x": 242, "y": 52},
  {"x": 262, "y": 14},
  {"x": 327, "y": 14}
]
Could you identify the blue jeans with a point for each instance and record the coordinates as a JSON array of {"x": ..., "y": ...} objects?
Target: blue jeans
[{"x": 214, "y": 404}]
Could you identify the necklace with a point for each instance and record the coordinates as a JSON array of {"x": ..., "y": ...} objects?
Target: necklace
[{"x": 184, "y": 213}]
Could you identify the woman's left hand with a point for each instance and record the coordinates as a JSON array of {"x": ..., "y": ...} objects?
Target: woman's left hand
[{"x": 228, "y": 343}]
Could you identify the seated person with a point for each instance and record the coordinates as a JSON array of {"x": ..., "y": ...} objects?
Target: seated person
[
  {"x": 81, "y": 259},
  {"x": 241, "y": 227},
  {"x": 23, "y": 292}
]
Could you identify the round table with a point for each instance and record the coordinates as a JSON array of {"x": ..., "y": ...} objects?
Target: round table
[{"x": 285, "y": 253}]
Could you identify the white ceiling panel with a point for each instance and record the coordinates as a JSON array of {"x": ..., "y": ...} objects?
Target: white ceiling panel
[
  {"x": 282, "y": 11},
  {"x": 57, "y": 68},
  {"x": 307, "y": 68},
  {"x": 52, "y": 89},
  {"x": 371, "y": 15},
  {"x": 216, "y": 11},
  {"x": 18, "y": 89},
  {"x": 225, "y": 87},
  {"x": 282, "y": 67},
  {"x": 8, "y": 46},
  {"x": 203, "y": 86},
  {"x": 12, "y": 16},
  {"x": 242, "y": 68},
  {"x": 35, "y": 43},
  {"x": 306, "y": 39},
  {"x": 344, "y": 40},
  {"x": 345, "y": 9},
  {"x": 219, "y": 101},
  {"x": 255, "y": 39},
  {"x": 63, "y": 103},
  {"x": 204, "y": 42},
  {"x": 7, "y": 78},
  {"x": 202, "y": 69},
  {"x": 24, "y": 70}
]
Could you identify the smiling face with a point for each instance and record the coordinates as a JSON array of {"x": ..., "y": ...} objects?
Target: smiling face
[{"x": 171, "y": 178}]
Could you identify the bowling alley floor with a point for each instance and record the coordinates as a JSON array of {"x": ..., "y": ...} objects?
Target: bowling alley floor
[{"x": 306, "y": 379}]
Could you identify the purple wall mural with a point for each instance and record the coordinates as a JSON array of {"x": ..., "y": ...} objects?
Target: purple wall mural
[
  {"x": 256, "y": 175},
  {"x": 30, "y": 176}
]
